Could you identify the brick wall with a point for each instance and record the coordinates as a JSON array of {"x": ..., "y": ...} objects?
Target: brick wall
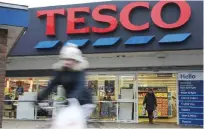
[{"x": 3, "y": 42}]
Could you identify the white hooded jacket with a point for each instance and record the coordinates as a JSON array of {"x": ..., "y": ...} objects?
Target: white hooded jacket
[{"x": 70, "y": 51}]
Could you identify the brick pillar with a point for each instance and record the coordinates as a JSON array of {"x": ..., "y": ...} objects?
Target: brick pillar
[{"x": 3, "y": 43}]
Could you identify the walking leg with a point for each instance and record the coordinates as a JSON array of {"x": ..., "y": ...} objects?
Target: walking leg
[{"x": 150, "y": 116}]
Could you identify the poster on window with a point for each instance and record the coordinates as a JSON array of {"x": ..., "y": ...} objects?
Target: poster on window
[
  {"x": 109, "y": 87},
  {"x": 190, "y": 93},
  {"x": 93, "y": 87}
]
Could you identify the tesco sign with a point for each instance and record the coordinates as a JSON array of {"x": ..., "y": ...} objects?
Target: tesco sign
[{"x": 124, "y": 17}]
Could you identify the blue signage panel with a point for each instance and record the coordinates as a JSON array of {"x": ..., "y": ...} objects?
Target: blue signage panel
[
  {"x": 14, "y": 17},
  {"x": 191, "y": 98},
  {"x": 185, "y": 37},
  {"x": 191, "y": 116},
  {"x": 190, "y": 122},
  {"x": 190, "y": 87},
  {"x": 190, "y": 104},
  {"x": 185, "y": 87},
  {"x": 191, "y": 109}
]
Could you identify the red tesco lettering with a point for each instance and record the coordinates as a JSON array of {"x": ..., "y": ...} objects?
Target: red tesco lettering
[
  {"x": 50, "y": 14},
  {"x": 72, "y": 20}
]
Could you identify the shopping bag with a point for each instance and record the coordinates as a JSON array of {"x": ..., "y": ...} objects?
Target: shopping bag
[
  {"x": 155, "y": 114},
  {"x": 144, "y": 110},
  {"x": 88, "y": 110},
  {"x": 71, "y": 117}
]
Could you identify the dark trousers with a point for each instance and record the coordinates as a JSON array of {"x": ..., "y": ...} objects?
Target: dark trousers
[{"x": 150, "y": 116}]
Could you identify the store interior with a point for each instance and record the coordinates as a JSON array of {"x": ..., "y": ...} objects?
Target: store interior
[
  {"x": 116, "y": 96},
  {"x": 164, "y": 87}
]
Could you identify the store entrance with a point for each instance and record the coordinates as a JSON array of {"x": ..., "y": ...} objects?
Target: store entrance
[{"x": 164, "y": 87}]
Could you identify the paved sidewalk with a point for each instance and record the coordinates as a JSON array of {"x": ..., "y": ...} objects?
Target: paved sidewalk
[{"x": 15, "y": 124}]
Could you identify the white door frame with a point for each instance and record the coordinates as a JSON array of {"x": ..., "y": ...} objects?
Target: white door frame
[{"x": 133, "y": 101}]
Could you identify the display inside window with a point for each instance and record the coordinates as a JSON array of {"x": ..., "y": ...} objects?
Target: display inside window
[
  {"x": 103, "y": 89},
  {"x": 95, "y": 114},
  {"x": 172, "y": 106},
  {"x": 93, "y": 87},
  {"x": 108, "y": 109},
  {"x": 109, "y": 87}
]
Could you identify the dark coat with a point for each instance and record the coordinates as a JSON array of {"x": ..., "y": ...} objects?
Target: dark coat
[
  {"x": 73, "y": 83},
  {"x": 150, "y": 101}
]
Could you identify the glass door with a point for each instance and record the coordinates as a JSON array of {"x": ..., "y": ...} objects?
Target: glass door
[
  {"x": 127, "y": 98},
  {"x": 164, "y": 87}
]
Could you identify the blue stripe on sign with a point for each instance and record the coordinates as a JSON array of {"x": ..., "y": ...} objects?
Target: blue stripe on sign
[
  {"x": 170, "y": 38},
  {"x": 106, "y": 41},
  {"x": 188, "y": 101},
  {"x": 189, "y": 119},
  {"x": 46, "y": 44},
  {"x": 14, "y": 17},
  {"x": 191, "y": 95},
  {"x": 138, "y": 40},
  {"x": 79, "y": 43},
  {"x": 189, "y": 107},
  {"x": 189, "y": 113}
]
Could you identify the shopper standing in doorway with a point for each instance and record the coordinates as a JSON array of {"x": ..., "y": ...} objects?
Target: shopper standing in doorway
[{"x": 150, "y": 102}]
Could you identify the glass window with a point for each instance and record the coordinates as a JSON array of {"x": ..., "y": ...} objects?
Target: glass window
[
  {"x": 92, "y": 82},
  {"x": 96, "y": 112},
  {"x": 103, "y": 89},
  {"x": 107, "y": 86},
  {"x": 126, "y": 87},
  {"x": 15, "y": 87},
  {"x": 108, "y": 111},
  {"x": 42, "y": 83},
  {"x": 126, "y": 111},
  {"x": 106, "y": 89}
]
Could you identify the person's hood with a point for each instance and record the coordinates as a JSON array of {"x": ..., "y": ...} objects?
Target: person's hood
[
  {"x": 71, "y": 51},
  {"x": 79, "y": 67}
]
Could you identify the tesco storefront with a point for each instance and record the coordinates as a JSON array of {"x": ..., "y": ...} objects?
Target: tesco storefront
[{"x": 131, "y": 46}]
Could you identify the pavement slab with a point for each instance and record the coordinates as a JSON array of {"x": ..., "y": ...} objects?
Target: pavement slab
[{"x": 23, "y": 124}]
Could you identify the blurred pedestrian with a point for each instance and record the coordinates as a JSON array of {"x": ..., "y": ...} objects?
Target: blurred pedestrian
[
  {"x": 69, "y": 73},
  {"x": 150, "y": 102}
]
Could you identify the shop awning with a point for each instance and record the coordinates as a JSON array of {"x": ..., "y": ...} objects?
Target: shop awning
[
  {"x": 174, "y": 38},
  {"x": 139, "y": 40},
  {"x": 47, "y": 44},
  {"x": 14, "y": 19},
  {"x": 14, "y": 15},
  {"x": 106, "y": 41},
  {"x": 79, "y": 43}
]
